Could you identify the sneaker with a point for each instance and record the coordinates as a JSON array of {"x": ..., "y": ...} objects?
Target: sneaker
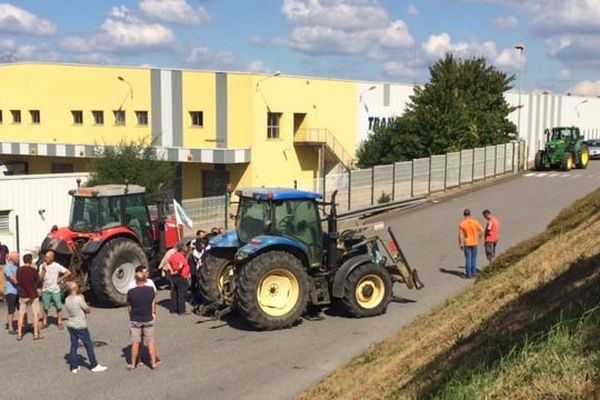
[
  {"x": 99, "y": 368},
  {"x": 76, "y": 370}
]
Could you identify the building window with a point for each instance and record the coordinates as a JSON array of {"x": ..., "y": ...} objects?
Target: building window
[
  {"x": 16, "y": 167},
  {"x": 77, "y": 117},
  {"x": 119, "y": 117},
  {"x": 16, "y": 116},
  {"x": 197, "y": 118},
  {"x": 142, "y": 117},
  {"x": 4, "y": 221},
  {"x": 0, "y": 116},
  {"x": 273, "y": 120},
  {"x": 62, "y": 168},
  {"x": 98, "y": 117},
  {"x": 35, "y": 116}
]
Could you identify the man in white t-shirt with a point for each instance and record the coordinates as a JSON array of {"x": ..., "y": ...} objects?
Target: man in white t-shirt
[
  {"x": 52, "y": 274},
  {"x": 149, "y": 282}
]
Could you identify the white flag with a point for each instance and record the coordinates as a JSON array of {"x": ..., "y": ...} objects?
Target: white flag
[{"x": 181, "y": 216}]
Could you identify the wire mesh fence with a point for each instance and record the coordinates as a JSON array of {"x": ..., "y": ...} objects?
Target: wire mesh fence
[{"x": 364, "y": 188}]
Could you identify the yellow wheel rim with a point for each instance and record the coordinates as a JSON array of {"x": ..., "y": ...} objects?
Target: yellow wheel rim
[
  {"x": 370, "y": 291},
  {"x": 570, "y": 162},
  {"x": 278, "y": 293},
  {"x": 585, "y": 157},
  {"x": 224, "y": 277}
]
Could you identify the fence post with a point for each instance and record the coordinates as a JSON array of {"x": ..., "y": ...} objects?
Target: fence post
[
  {"x": 512, "y": 167},
  {"x": 412, "y": 178},
  {"x": 349, "y": 189},
  {"x": 445, "y": 171},
  {"x": 393, "y": 181},
  {"x": 473, "y": 168},
  {"x": 484, "y": 162},
  {"x": 495, "y": 160},
  {"x": 429, "y": 177},
  {"x": 17, "y": 231},
  {"x": 372, "y": 185},
  {"x": 460, "y": 167}
]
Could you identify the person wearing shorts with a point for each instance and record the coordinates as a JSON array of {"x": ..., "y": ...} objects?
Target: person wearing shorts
[
  {"x": 141, "y": 304},
  {"x": 28, "y": 279},
  {"x": 492, "y": 234},
  {"x": 11, "y": 294},
  {"x": 52, "y": 275}
]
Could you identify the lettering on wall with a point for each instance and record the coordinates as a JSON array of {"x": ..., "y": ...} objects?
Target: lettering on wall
[{"x": 376, "y": 122}]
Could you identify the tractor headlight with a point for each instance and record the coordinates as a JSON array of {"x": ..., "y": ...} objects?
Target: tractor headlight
[{"x": 241, "y": 255}]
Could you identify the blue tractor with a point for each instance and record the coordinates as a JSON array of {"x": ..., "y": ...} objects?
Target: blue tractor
[{"x": 278, "y": 260}]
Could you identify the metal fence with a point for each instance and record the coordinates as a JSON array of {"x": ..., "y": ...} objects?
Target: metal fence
[{"x": 364, "y": 188}]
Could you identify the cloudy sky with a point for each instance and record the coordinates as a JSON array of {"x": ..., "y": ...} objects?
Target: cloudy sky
[{"x": 381, "y": 40}]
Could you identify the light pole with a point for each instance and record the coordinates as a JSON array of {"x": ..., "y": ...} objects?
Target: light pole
[
  {"x": 259, "y": 90},
  {"x": 521, "y": 49},
  {"x": 360, "y": 96},
  {"x": 127, "y": 83},
  {"x": 577, "y": 106}
]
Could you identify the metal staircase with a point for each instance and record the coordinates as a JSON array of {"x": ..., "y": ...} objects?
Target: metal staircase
[{"x": 323, "y": 138}]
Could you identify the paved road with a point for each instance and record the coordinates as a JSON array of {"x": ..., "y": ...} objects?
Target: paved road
[{"x": 216, "y": 360}]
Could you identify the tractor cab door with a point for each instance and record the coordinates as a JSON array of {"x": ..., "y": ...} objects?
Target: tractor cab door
[
  {"x": 300, "y": 220},
  {"x": 137, "y": 218}
]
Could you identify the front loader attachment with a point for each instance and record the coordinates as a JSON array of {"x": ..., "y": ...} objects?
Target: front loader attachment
[{"x": 408, "y": 275}]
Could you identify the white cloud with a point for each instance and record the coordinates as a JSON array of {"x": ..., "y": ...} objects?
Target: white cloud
[
  {"x": 586, "y": 88},
  {"x": 122, "y": 32},
  {"x": 256, "y": 40},
  {"x": 203, "y": 57},
  {"x": 342, "y": 27},
  {"x": 506, "y": 23},
  {"x": 174, "y": 11},
  {"x": 399, "y": 69},
  {"x": 412, "y": 10},
  {"x": 256, "y": 66},
  {"x": 11, "y": 51},
  {"x": 563, "y": 75},
  {"x": 507, "y": 59},
  {"x": 17, "y": 20}
]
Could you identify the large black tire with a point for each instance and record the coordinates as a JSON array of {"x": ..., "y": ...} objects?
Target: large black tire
[
  {"x": 537, "y": 164},
  {"x": 272, "y": 290},
  {"x": 583, "y": 158},
  {"x": 567, "y": 161},
  {"x": 367, "y": 291},
  {"x": 113, "y": 268},
  {"x": 211, "y": 275}
]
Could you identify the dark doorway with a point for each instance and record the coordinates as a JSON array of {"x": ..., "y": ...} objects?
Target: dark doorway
[
  {"x": 214, "y": 183},
  {"x": 298, "y": 122}
]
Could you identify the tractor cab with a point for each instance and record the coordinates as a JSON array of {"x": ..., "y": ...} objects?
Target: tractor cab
[{"x": 568, "y": 135}]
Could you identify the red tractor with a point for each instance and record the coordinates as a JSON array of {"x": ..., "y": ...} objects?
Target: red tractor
[{"x": 110, "y": 233}]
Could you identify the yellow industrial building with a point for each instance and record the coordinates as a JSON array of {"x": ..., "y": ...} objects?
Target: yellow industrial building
[{"x": 219, "y": 127}]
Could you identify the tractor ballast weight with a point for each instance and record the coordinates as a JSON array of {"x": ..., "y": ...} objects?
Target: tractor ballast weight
[
  {"x": 564, "y": 149},
  {"x": 278, "y": 261}
]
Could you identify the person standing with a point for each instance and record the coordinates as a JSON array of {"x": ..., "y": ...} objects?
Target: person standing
[
  {"x": 141, "y": 304},
  {"x": 492, "y": 234},
  {"x": 11, "y": 294},
  {"x": 28, "y": 278},
  {"x": 149, "y": 282},
  {"x": 198, "y": 247},
  {"x": 52, "y": 275},
  {"x": 180, "y": 275},
  {"x": 3, "y": 255},
  {"x": 469, "y": 234},
  {"x": 77, "y": 309}
]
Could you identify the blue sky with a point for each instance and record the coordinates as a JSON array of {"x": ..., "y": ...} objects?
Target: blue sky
[{"x": 380, "y": 40}]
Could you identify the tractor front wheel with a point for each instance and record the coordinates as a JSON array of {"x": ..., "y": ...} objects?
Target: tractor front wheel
[
  {"x": 212, "y": 275},
  {"x": 584, "y": 157},
  {"x": 567, "y": 162},
  {"x": 538, "y": 163},
  {"x": 272, "y": 290},
  {"x": 367, "y": 291},
  {"x": 113, "y": 270}
]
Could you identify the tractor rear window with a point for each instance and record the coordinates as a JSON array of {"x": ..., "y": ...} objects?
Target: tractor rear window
[
  {"x": 253, "y": 219},
  {"x": 92, "y": 214}
]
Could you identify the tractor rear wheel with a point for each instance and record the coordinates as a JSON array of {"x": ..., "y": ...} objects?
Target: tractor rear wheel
[
  {"x": 538, "y": 161},
  {"x": 367, "y": 291},
  {"x": 113, "y": 269},
  {"x": 584, "y": 157},
  {"x": 272, "y": 290},
  {"x": 567, "y": 162},
  {"x": 212, "y": 275}
]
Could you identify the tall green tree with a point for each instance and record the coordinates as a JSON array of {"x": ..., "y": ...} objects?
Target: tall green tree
[
  {"x": 462, "y": 106},
  {"x": 135, "y": 161}
]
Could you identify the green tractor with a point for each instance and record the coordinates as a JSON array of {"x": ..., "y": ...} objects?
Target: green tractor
[{"x": 565, "y": 149}]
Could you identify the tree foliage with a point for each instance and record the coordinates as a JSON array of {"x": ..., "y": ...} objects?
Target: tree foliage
[
  {"x": 135, "y": 161},
  {"x": 462, "y": 106}
]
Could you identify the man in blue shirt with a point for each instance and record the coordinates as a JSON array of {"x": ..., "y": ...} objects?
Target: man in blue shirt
[{"x": 10, "y": 289}]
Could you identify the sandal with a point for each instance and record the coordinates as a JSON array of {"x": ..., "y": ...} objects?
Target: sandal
[
  {"x": 38, "y": 337},
  {"x": 131, "y": 367},
  {"x": 19, "y": 337}
]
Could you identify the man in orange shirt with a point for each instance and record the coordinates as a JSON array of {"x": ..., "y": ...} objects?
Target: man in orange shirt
[
  {"x": 492, "y": 234},
  {"x": 469, "y": 233}
]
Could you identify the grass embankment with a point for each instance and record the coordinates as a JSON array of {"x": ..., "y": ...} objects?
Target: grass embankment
[{"x": 529, "y": 328}]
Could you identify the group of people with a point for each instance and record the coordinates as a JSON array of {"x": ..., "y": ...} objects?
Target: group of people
[{"x": 470, "y": 233}]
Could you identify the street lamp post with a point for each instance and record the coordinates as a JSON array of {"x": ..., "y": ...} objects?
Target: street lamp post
[
  {"x": 521, "y": 49},
  {"x": 360, "y": 96},
  {"x": 577, "y": 107}
]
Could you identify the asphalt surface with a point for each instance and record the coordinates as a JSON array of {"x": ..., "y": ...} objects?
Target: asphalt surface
[{"x": 204, "y": 359}]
